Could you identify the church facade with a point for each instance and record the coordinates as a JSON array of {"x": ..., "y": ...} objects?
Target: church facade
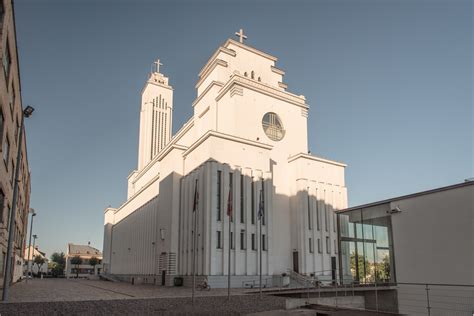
[{"x": 244, "y": 148}]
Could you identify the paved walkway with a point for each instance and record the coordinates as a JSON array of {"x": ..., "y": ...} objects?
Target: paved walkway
[
  {"x": 53, "y": 290},
  {"x": 85, "y": 297}
]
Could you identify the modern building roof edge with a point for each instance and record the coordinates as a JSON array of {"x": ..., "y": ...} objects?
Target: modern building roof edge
[{"x": 412, "y": 195}]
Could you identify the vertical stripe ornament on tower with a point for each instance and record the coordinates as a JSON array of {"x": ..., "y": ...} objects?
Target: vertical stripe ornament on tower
[
  {"x": 194, "y": 234},
  {"x": 196, "y": 197},
  {"x": 229, "y": 204},
  {"x": 261, "y": 206},
  {"x": 261, "y": 213},
  {"x": 229, "y": 213}
]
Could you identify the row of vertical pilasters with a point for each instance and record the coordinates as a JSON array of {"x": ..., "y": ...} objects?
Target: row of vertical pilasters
[
  {"x": 133, "y": 247},
  {"x": 211, "y": 259},
  {"x": 315, "y": 205},
  {"x": 155, "y": 123},
  {"x": 159, "y": 126}
]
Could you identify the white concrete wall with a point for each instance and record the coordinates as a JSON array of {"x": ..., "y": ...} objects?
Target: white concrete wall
[
  {"x": 433, "y": 237},
  {"x": 211, "y": 260},
  {"x": 433, "y": 240},
  {"x": 134, "y": 242}
]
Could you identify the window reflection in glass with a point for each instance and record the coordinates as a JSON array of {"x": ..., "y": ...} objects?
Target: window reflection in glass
[{"x": 366, "y": 245}]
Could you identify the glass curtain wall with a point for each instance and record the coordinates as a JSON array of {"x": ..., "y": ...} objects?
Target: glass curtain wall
[{"x": 366, "y": 245}]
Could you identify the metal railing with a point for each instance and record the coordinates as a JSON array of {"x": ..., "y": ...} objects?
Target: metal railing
[
  {"x": 412, "y": 298},
  {"x": 255, "y": 283},
  {"x": 435, "y": 299}
]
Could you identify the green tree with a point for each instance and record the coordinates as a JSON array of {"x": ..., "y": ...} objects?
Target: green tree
[
  {"x": 93, "y": 262},
  {"x": 383, "y": 269},
  {"x": 58, "y": 261},
  {"x": 59, "y": 258},
  {"x": 76, "y": 260},
  {"x": 360, "y": 263}
]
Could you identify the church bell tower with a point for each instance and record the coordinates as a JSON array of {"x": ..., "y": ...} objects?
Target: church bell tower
[{"x": 155, "y": 116}]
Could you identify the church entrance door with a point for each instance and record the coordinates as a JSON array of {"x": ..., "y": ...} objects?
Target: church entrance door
[{"x": 295, "y": 262}]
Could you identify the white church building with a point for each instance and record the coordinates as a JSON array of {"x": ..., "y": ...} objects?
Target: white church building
[{"x": 247, "y": 134}]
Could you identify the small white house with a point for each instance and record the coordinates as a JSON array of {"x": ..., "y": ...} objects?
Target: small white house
[
  {"x": 29, "y": 258},
  {"x": 85, "y": 252}
]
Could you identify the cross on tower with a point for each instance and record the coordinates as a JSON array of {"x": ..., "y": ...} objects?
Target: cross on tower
[
  {"x": 241, "y": 35},
  {"x": 158, "y": 64}
]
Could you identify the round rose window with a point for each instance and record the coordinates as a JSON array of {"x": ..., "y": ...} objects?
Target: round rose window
[{"x": 272, "y": 126}]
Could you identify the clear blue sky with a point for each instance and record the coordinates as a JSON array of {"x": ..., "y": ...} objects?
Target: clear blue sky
[{"x": 389, "y": 84}]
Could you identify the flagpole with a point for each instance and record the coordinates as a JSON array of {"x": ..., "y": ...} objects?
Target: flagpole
[
  {"x": 230, "y": 244},
  {"x": 229, "y": 214},
  {"x": 194, "y": 238},
  {"x": 261, "y": 244}
]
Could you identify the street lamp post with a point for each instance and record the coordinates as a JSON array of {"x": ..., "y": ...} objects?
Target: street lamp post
[
  {"x": 28, "y": 270},
  {"x": 34, "y": 241},
  {"x": 11, "y": 225}
]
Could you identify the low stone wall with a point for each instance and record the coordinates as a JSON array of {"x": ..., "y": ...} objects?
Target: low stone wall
[
  {"x": 215, "y": 281},
  {"x": 357, "y": 302}
]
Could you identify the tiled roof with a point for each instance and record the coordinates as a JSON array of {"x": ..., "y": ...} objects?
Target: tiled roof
[
  {"x": 83, "y": 250},
  {"x": 34, "y": 253}
]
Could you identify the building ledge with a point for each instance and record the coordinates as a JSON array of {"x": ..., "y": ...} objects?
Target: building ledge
[
  {"x": 237, "y": 79},
  {"x": 314, "y": 158},
  {"x": 236, "y": 139}
]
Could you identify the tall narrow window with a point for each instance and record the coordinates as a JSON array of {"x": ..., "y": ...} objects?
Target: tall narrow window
[
  {"x": 219, "y": 197},
  {"x": 310, "y": 224},
  {"x": 252, "y": 75},
  {"x": 334, "y": 221},
  {"x": 6, "y": 61},
  {"x": 335, "y": 246},
  {"x": 328, "y": 245},
  {"x": 311, "y": 248},
  {"x": 242, "y": 206},
  {"x": 6, "y": 150},
  {"x": 326, "y": 218},
  {"x": 253, "y": 203},
  {"x": 8, "y": 214},
  {"x": 318, "y": 220},
  {"x": 2, "y": 124},
  {"x": 13, "y": 172},
  {"x": 254, "y": 246},
  {"x": 17, "y": 130},
  {"x": 12, "y": 98},
  {"x": 243, "y": 245},
  {"x": 231, "y": 188},
  {"x": 11, "y": 101},
  {"x": 2, "y": 203},
  {"x": 219, "y": 241},
  {"x": 320, "y": 247},
  {"x": 3, "y": 262},
  {"x": 2, "y": 13},
  {"x": 263, "y": 203},
  {"x": 264, "y": 242}
]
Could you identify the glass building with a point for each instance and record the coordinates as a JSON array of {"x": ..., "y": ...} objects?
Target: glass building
[{"x": 366, "y": 244}]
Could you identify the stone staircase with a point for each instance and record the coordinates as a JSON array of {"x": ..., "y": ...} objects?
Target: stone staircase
[
  {"x": 299, "y": 280},
  {"x": 108, "y": 277}
]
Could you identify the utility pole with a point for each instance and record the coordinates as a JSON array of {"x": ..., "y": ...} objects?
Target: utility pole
[
  {"x": 28, "y": 270},
  {"x": 11, "y": 225}
]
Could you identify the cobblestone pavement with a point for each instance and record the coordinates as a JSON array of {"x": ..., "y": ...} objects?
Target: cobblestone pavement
[
  {"x": 48, "y": 290},
  {"x": 210, "y": 305},
  {"x": 85, "y": 297}
]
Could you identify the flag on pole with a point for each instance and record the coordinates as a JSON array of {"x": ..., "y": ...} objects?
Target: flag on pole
[
  {"x": 229, "y": 203},
  {"x": 261, "y": 206},
  {"x": 196, "y": 197}
]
